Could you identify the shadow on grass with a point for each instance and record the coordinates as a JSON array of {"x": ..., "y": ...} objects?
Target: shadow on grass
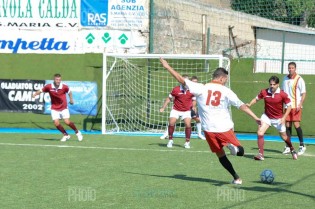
[
  {"x": 269, "y": 150},
  {"x": 49, "y": 139},
  {"x": 164, "y": 144},
  {"x": 271, "y": 189},
  {"x": 185, "y": 178}
]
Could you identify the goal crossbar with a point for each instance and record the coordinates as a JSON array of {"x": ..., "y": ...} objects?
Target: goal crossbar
[{"x": 136, "y": 85}]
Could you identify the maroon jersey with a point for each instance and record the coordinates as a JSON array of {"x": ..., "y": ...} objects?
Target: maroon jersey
[
  {"x": 274, "y": 102},
  {"x": 57, "y": 96},
  {"x": 182, "y": 99}
]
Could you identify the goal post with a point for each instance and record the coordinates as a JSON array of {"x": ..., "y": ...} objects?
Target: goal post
[{"x": 135, "y": 87}]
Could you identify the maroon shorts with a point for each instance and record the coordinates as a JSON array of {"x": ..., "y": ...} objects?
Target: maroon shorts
[{"x": 294, "y": 116}]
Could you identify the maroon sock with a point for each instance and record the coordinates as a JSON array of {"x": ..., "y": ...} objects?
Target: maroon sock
[
  {"x": 62, "y": 130},
  {"x": 188, "y": 134},
  {"x": 71, "y": 125},
  {"x": 170, "y": 132},
  {"x": 289, "y": 144},
  {"x": 260, "y": 143}
]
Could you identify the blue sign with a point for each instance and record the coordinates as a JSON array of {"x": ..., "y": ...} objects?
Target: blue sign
[
  {"x": 94, "y": 13},
  {"x": 84, "y": 94}
]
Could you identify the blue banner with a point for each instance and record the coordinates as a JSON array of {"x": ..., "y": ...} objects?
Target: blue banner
[
  {"x": 94, "y": 13},
  {"x": 84, "y": 95}
]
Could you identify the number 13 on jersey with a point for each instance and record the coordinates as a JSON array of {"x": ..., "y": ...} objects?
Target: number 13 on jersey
[{"x": 213, "y": 98}]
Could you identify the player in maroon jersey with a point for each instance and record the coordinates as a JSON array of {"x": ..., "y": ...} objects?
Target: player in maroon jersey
[
  {"x": 59, "y": 107},
  {"x": 181, "y": 109},
  {"x": 194, "y": 115},
  {"x": 274, "y": 99}
]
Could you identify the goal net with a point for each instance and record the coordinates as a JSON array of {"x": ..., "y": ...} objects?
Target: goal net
[{"x": 136, "y": 86}]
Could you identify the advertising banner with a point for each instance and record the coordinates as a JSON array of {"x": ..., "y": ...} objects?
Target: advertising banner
[
  {"x": 16, "y": 96},
  {"x": 84, "y": 96},
  {"x": 74, "y": 14},
  {"x": 74, "y": 26},
  {"x": 117, "y": 14},
  {"x": 17, "y": 41},
  {"x": 40, "y": 14}
]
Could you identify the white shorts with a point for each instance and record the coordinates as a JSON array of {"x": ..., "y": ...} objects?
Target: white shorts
[
  {"x": 273, "y": 122},
  {"x": 64, "y": 114},
  {"x": 179, "y": 114}
]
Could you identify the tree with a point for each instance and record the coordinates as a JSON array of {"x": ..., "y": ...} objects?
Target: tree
[{"x": 296, "y": 12}]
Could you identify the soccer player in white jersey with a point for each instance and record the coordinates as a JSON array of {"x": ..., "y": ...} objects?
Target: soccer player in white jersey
[
  {"x": 294, "y": 85},
  {"x": 213, "y": 101}
]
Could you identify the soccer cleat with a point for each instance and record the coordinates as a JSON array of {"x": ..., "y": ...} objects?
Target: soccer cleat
[
  {"x": 294, "y": 155},
  {"x": 170, "y": 144},
  {"x": 200, "y": 136},
  {"x": 65, "y": 138},
  {"x": 164, "y": 136},
  {"x": 237, "y": 181},
  {"x": 286, "y": 150},
  {"x": 301, "y": 150},
  {"x": 259, "y": 157},
  {"x": 187, "y": 145},
  {"x": 233, "y": 149},
  {"x": 79, "y": 135}
]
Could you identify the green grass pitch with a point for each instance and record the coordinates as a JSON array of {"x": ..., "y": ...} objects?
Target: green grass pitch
[{"x": 106, "y": 171}]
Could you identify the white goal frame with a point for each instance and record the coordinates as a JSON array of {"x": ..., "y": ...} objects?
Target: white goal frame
[{"x": 106, "y": 73}]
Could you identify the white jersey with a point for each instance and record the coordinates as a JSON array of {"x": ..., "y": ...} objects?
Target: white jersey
[
  {"x": 214, "y": 100},
  {"x": 294, "y": 87}
]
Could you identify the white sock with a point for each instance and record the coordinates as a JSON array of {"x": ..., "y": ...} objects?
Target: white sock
[{"x": 198, "y": 128}]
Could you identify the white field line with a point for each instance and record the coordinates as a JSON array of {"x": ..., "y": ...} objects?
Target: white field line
[{"x": 125, "y": 149}]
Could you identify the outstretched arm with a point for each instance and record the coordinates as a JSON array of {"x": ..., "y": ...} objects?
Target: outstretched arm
[
  {"x": 36, "y": 93},
  {"x": 167, "y": 100},
  {"x": 249, "y": 112},
  {"x": 175, "y": 74},
  {"x": 251, "y": 102}
]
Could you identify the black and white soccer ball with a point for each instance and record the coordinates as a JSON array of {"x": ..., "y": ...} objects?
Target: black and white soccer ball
[{"x": 267, "y": 176}]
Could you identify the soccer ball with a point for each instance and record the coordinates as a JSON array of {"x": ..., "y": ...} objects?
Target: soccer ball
[{"x": 267, "y": 176}]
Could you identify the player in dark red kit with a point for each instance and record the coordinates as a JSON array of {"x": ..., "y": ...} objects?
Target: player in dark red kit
[
  {"x": 274, "y": 98},
  {"x": 181, "y": 109},
  {"x": 59, "y": 107}
]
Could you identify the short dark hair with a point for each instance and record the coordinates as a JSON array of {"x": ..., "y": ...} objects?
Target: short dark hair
[
  {"x": 58, "y": 75},
  {"x": 274, "y": 78},
  {"x": 185, "y": 76},
  {"x": 220, "y": 71},
  {"x": 292, "y": 63},
  {"x": 194, "y": 78}
]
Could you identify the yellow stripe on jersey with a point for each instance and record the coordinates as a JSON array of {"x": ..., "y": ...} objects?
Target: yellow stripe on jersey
[{"x": 294, "y": 90}]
